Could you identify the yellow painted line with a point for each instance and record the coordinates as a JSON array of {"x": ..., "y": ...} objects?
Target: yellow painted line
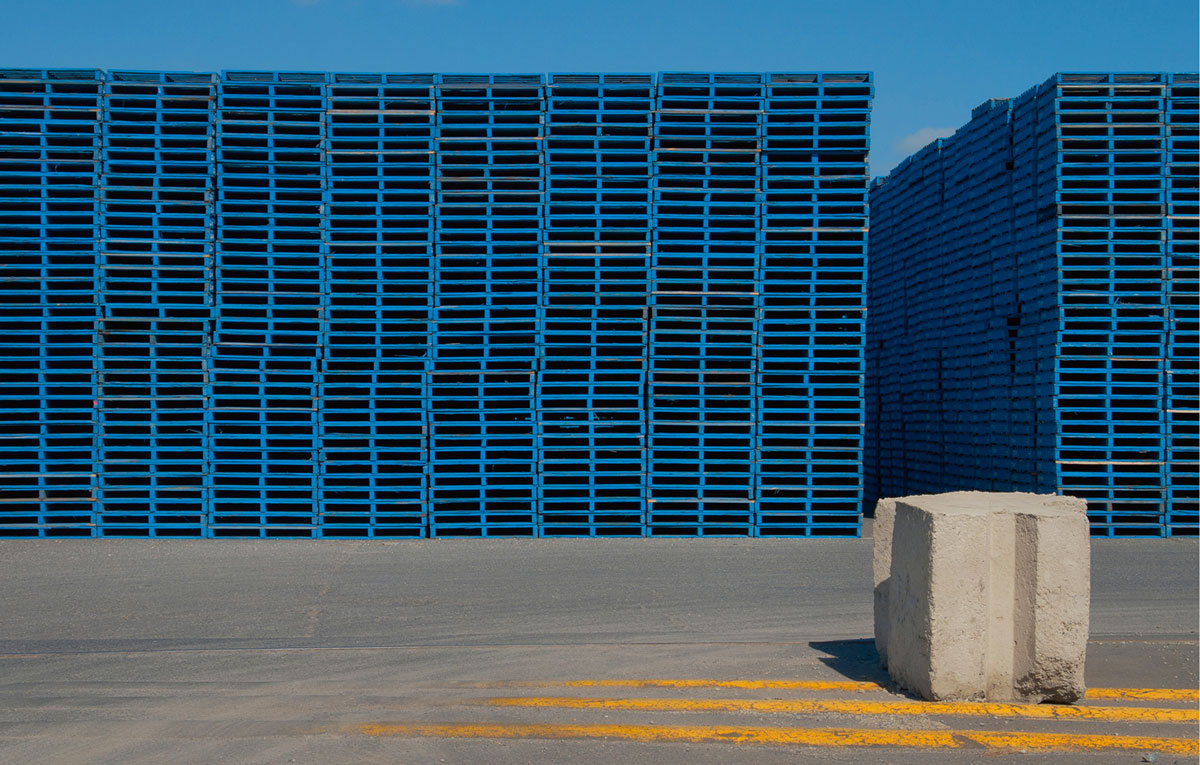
[
  {"x": 1143, "y": 694},
  {"x": 1065, "y": 742},
  {"x": 827, "y": 737},
  {"x": 846, "y": 707},
  {"x": 791, "y": 685}
]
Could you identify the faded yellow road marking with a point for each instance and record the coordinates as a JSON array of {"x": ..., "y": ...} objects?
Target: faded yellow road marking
[
  {"x": 848, "y": 707},
  {"x": 1143, "y": 694},
  {"x": 829, "y": 737},
  {"x": 795, "y": 685}
]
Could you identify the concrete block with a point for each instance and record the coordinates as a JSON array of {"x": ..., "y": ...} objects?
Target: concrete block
[{"x": 985, "y": 597}]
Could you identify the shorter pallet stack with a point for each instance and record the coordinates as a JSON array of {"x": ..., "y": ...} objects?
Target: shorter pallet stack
[{"x": 1033, "y": 304}]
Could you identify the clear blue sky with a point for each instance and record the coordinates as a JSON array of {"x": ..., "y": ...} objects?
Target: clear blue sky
[{"x": 933, "y": 59}]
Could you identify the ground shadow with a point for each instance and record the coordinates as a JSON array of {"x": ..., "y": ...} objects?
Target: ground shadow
[{"x": 856, "y": 659}]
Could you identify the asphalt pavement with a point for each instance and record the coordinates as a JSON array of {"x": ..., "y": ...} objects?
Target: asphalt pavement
[{"x": 514, "y": 650}]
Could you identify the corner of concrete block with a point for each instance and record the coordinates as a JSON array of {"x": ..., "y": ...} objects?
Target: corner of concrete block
[
  {"x": 885, "y": 512},
  {"x": 1058, "y": 595},
  {"x": 959, "y": 607},
  {"x": 1067, "y": 502},
  {"x": 1055, "y": 680},
  {"x": 908, "y": 626}
]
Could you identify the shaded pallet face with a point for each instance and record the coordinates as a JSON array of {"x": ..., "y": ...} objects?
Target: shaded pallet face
[
  {"x": 1033, "y": 304},
  {"x": 297, "y": 304}
]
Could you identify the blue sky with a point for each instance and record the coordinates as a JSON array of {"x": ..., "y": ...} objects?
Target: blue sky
[{"x": 933, "y": 59}]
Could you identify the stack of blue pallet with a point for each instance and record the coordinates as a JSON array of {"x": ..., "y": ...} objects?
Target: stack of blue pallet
[
  {"x": 1033, "y": 304},
  {"x": 488, "y": 295},
  {"x": 703, "y": 412},
  {"x": 155, "y": 269},
  {"x": 367, "y": 305},
  {"x": 812, "y": 299},
  {"x": 1182, "y": 422},
  {"x": 1109, "y": 379},
  {"x": 49, "y": 176},
  {"x": 378, "y": 301},
  {"x": 592, "y": 376},
  {"x": 269, "y": 294}
]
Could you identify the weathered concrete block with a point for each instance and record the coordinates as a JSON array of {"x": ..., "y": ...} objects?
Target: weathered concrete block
[{"x": 983, "y": 595}]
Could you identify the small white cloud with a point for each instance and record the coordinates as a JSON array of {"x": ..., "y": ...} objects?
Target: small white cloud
[{"x": 913, "y": 142}]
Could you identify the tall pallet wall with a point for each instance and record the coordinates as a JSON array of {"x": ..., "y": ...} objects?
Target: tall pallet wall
[
  {"x": 1033, "y": 304},
  {"x": 297, "y": 304}
]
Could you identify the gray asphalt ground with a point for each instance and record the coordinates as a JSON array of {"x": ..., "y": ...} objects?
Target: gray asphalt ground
[{"x": 242, "y": 651}]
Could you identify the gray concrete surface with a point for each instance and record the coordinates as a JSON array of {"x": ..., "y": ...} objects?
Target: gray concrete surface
[{"x": 115, "y": 651}]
